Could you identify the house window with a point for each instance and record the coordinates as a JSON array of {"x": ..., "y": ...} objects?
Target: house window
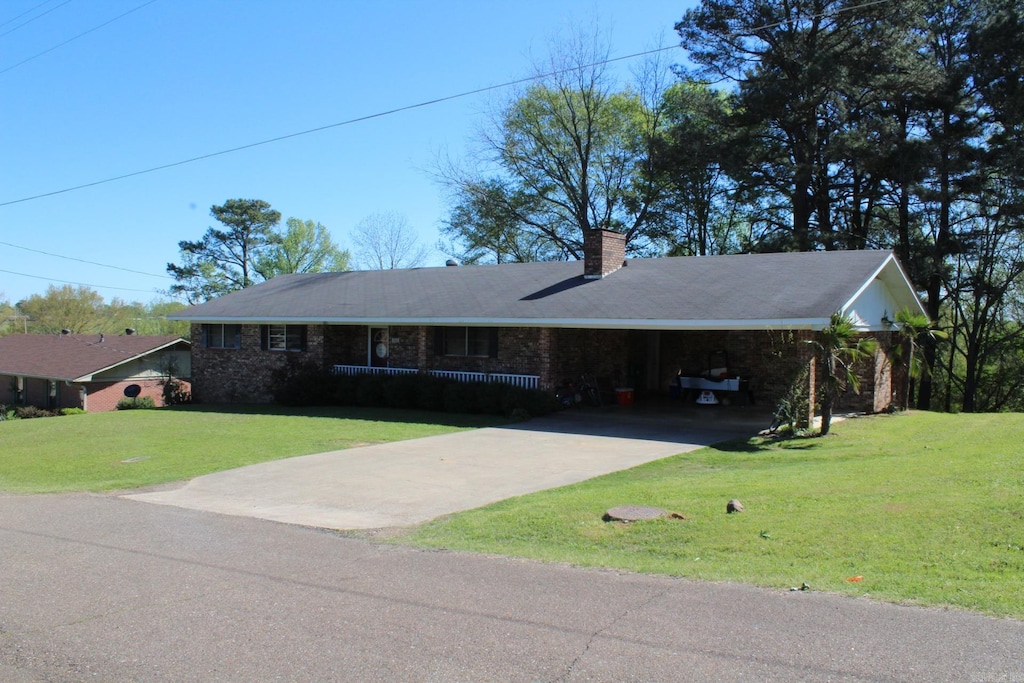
[
  {"x": 481, "y": 342},
  {"x": 283, "y": 337},
  {"x": 222, "y": 336}
]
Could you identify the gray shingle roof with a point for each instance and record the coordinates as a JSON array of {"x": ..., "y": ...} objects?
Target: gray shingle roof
[
  {"x": 73, "y": 356},
  {"x": 725, "y": 291}
]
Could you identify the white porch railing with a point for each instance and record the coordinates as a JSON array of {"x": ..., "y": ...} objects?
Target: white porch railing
[
  {"x": 367, "y": 370},
  {"x": 460, "y": 375},
  {"x": 524, "y": 381}
]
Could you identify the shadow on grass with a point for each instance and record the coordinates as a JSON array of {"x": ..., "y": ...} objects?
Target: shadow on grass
[
  {"x": 761, "y": 444},
  {"x": 393, "y": 415}
]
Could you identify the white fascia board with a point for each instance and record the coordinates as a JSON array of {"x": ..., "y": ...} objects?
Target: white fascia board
[
  {"x": 892, "y": 265},
  {"x": 583, "y": 323},
  {"x": 88, "y": 378}
]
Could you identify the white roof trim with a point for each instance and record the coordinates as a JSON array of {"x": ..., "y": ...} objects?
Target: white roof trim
[
  {"x": 586, "y": 323},
  {"x": 88, "y": 377},
  {"x": 890, "y": 261}
]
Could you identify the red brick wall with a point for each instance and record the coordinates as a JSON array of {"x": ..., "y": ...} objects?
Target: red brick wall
[
  {"x": 244, "y": 375},
  {"x": 770, "y": 359},
  {"x": 877, "y": 380},
  {"x": 602, "y": 355},
  {"x": 103, "y": 396},
  {"x": 100, "y": 396},
  {"x": 346, "y": 345}
]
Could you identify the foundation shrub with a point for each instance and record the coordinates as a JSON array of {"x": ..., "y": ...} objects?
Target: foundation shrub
[
  {"x": 429, "y": 392},
  {"x": 400, "y": 391},
  {"x": 300, "y": 383},
  {"x": 29, "y": 412},
  {"x": 343, "y": 390},
  {"x": 305, "y": 384},
  {"x": 461, "y": 397},
  {"x": 490, "y": 397},
  {"x": 140, "y": 403},
  {"x": 370, "y": 391}
]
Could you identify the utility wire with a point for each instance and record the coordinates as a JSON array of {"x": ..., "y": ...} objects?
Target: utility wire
[
  {"x": 79, "y": 284},
  {"x": 26, "y": 12},
  {"x": 80, "y": 260},
  {"x": 349, "y": 122},
  {"x": 39, "y": 16},
  {"x": 74, "y": 38},
  {"x": 381, "y": 114}
]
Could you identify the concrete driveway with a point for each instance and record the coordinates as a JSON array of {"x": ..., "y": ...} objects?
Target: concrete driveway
[{"x": 409, "y": 482}]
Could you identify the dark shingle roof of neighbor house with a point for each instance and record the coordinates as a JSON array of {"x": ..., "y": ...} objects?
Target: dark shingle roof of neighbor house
[
  {"x": 74, "y": 356},
  {"x": 736, "y": 291}
]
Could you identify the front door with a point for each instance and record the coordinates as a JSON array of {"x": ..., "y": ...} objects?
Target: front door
[{"x": 379, "y": 347}]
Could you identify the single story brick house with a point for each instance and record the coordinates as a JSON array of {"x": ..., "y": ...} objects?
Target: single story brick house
[
  {"x": 88, "y": 371},
  {"x": 634, "y": 323}
]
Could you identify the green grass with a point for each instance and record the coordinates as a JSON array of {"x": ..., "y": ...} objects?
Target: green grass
[
  {"x": 135, "y": 448},
  {"x": 928, "y": 509}
]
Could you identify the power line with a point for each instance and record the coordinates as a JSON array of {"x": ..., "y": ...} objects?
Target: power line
[
  {"x": 74, "y": 38},
  {"x": 78, "y": 284},
  {"x": 349, "y": 122},
  {"x": 39, "y": 16},
  {"x": 27, "y": 12},
  {"x": 381, "y": 114},
  {"x": 80, "y": 260}
]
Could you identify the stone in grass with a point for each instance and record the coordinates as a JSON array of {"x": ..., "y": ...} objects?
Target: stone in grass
[
  {"x": 733, "y": 506},
  {"x": 635, "y": 513}
]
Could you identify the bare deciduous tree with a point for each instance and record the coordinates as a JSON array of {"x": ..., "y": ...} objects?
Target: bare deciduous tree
[{"x": 386, "y": 241}]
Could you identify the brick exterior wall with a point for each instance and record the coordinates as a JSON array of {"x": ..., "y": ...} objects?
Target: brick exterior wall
[
  {"x": 99, "y": 396},
  {"x": 103, "y": 396},
  {"x": 601, "y": 355},
  {"x": 346, "y": 345},
  {"x": 879, "y": 384},
  {"x": 244, "y": 375},
  {"x": 770, "y": 360}
]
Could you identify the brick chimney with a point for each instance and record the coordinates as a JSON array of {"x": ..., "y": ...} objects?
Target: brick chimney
[{"x": 603, "y": 253}]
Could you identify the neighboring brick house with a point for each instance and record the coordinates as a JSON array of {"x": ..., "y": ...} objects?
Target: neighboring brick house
[
  {"x": 633, "y": 323},
  {"x": 88, "y": 371}
]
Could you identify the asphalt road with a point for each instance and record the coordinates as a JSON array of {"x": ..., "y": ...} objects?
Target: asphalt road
[{"x": 101, "y": 588}]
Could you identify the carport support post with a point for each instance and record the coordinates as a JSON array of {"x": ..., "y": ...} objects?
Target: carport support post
[{"x": 812, "y": 367}]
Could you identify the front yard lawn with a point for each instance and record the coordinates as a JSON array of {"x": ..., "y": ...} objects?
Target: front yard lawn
[
  {"x": 134, "y": 448},
  {"x": 922, "y": 508}
]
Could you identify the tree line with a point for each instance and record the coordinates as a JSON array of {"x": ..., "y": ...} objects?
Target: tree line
[
  {"x": 247, "y": 247},
  {"x": 795, "y": 125}
]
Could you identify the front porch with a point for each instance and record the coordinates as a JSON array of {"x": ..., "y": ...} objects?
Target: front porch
[{"x": 522, "y": 381}]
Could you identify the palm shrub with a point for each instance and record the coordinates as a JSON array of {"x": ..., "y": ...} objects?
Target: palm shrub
[
  {"x": 841, "y": 347},
  {"x": 911, "y": 327}
]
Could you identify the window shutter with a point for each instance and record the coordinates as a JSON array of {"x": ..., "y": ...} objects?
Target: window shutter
[
  {"x": 264, "y": 337},
  {"x": 205, "y": 343},
  {"x": 302, "y": 337},
  {"x": 492, "y": 342},
  {"x": 438, "y": 341}
]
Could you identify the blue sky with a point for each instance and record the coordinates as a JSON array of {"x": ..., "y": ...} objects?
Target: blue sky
[{"x": 177, "y": 79}]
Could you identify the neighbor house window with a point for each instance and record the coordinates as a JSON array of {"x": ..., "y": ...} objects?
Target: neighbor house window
[
  {"x": 222, "y": 336},
  {"x": 466, "y": 341},
  {"x": 283, "y": 337}
]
